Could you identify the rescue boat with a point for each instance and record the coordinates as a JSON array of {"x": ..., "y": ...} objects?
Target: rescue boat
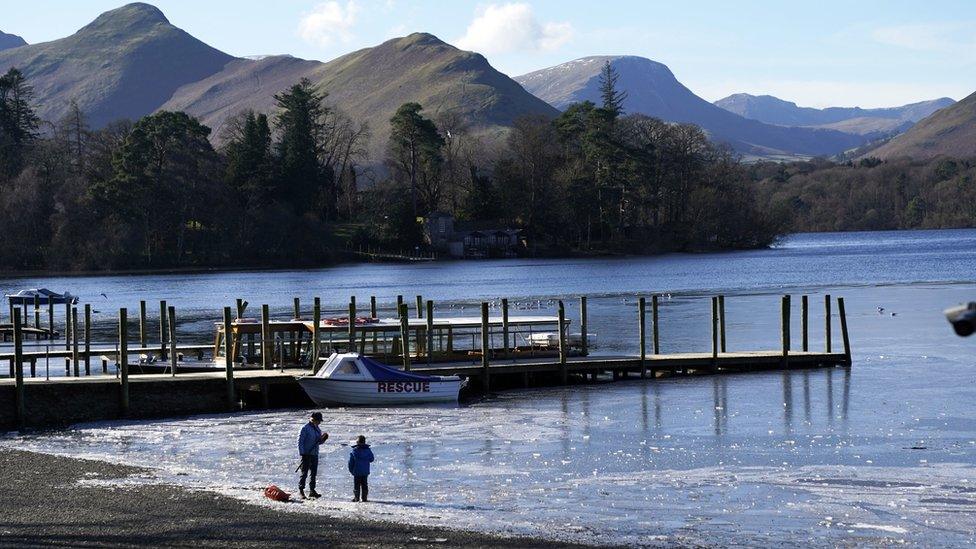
[{"x": 351, "y": 379}]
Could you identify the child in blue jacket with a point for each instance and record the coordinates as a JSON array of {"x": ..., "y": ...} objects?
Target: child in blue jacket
[{"x": 359, "y": 460}]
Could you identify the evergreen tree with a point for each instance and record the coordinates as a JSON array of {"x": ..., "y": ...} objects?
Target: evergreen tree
[
  {"x": 416, "y": 148},
  {"x": 18, "y": 122},
  {"x": 613, "y": 100},
  {"x": 300, "y": 123}
]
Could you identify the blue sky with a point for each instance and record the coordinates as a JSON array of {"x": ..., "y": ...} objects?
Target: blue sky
[{"x": 825, "y": 53}]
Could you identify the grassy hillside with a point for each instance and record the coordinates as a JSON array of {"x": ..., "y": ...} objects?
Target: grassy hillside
[
  {"x": 125, "y": 64},
  {"x": 8, "y": 41},
  {"x": 950, "y": 132}
]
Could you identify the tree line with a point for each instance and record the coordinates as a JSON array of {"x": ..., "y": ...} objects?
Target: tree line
[{"x": 296, "y": 186}]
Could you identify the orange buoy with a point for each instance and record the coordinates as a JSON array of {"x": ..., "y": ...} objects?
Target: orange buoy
[{"x": 274, "y": 493}]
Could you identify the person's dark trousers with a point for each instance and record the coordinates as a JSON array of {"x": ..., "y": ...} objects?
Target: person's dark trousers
[
  {"x": 309, "y": 464},
  {"x": 360, "y": 487}
]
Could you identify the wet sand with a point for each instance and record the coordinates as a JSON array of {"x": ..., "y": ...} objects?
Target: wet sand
[{"x": 43, "y": 504}]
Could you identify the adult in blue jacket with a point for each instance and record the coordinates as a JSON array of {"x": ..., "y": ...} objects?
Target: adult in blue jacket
[
  {"x": 309, "y": 440},
  {"x": 359, "y": 460}
]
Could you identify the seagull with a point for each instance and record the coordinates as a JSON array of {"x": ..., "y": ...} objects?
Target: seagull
[
  {"x": 880, "y": 310},
  {"x": 103, "y": 295}
]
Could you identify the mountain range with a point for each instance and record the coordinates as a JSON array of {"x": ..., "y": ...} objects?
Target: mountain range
[
  {"x": 8, "y": 41},
  {"x": 950, "y": 132},
  {"x": 130, "y": 62},
  {"x": 652, "y": 89},
  {"x": 772, "y": 110}
]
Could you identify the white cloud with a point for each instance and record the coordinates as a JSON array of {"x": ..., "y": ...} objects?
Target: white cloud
[
  {"x": 505, "y": 28},
  {"x": 329, "y": 22},
  {"x": 955, "y": 37}
]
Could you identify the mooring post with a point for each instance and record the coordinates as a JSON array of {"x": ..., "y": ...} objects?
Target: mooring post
[
  {"x": 265, "y": 338},
  {"x": 420, "y": 306},
  {"x": 316, "y": 333},
  {"x": 827, "y": 322},
  {"x": 21, "y": 407},
  {"x": 563, "y": 370},
  {"x": 399, "y": 304},
  {"x": 228, "y": 360},
  {"x": 804, "y": 322},
  {"x": 50, "y": 319},
  {"x": 67, "y": 326},
  {"x": 721, "y": 322},
  {"x": 485, "y": 346},
  {"x": 584, "y": 343},
  {"x": 714, "y": 330},
  {"x": 88, "y": 320},
  {"x": 505, "y": 327},
  {"x": 642, "y": 333},
  {"x": 785, "y": 325},
  {"x": 656, "y": 336},
  {"x": 37, "y": 315},
  {"x": 75, "y": 355},
  {"x": 162, "y": 329},
  {"x": 352, "y": 324},
  {"x": 430, "y": 329},
  {"x": 372, "y": 306},
  {"x": 241, "y": 307},
  {"x": 142, "y": 323},
  {"x": 405, "y": 335},
  {"x": 123, "y": 360},
  {"x": 172, "y": 340},
  {"x": 297, "y": 308},
  {"x": 843, "y": 329}
]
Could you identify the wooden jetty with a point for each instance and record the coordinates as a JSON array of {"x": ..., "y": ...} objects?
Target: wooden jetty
[{"x": 258, "y": 365}]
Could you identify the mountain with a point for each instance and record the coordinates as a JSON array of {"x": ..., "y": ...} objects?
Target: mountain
[
  {"x": 950, "y": 131},
  {"x": 653, "y": 90},
  {"x": 772, "y": 110},
  {"x": 8, "y": 41},
  {"x": 370, "y": 84},
  {"x": 124, "y": 64}
]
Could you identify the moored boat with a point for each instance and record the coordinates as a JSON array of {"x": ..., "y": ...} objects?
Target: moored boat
[
  {"x": 357, "y": 380},
  {"x": 43, "y": 296}
]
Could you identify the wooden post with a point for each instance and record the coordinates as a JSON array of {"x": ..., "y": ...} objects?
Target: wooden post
[
  {"x": 20, "y": 405},
  {"x": 563, "y": 371},
  {"x": 228, "y": 361},
  {"x": 405, "y": 336},
  {"x": 88, "y": 321},
  {"x": 67, "y": 326},
  {"x": 714, "y": 329},
  {"x": 265, "y": 338},
  {"x": 372, "y": 306},
  {"x": 420, "y": 306},
  {"x": 584, "y": 344},
  {"x": 123, "y": 360},
  {"x": 721, "y": 322},
  {"x": 75, "y": 356},
  {"x": 297, "y": 308},
  {"x": 241, "y": 307},
  {"x": 352, "y": 324},
  {"x": 485, "y": 347},
  {"x": 142, "y": 323},
  {"x": 785, "y": 324},
  {"x": 37, "y": 313},
  {"x": 505, "y": 326},
  {"x": 843, "y": 329},
  {"x": 430, "y": 329},
  {"x": 657, "y": 341},
  {"x": 316, "y": 332},
  {"x": 804, "y": 322},
  {"x": 642, "y": 333},
  {"x": 399, "y": 304},
  {"x": 827, "y": 322},
  {"x": 162, "y": 329},
  {"x": 172, "y": 340},
  {"x": 50, "y": 319}
]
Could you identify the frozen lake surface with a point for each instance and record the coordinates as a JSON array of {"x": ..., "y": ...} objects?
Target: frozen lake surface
[{"x": 878, "y": 454}]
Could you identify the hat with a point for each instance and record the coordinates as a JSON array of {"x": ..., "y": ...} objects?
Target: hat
[{"x": 316, "y": 416}]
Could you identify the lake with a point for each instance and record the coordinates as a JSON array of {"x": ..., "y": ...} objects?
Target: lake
[{"x": 879, "y": 453}]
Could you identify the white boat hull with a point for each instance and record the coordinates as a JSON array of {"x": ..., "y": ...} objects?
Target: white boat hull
[{"x": 326, "y": 392}]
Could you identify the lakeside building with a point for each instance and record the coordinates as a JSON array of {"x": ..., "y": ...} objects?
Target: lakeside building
[{"x": 471, "y": 240}]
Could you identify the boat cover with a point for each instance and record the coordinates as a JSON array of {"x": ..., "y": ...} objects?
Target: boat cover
[{"x": 382, "y": 372}]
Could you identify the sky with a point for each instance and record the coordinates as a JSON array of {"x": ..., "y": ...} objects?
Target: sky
[{"x": 863, "y": 53}]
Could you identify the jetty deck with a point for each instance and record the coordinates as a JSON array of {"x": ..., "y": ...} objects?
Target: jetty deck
[{"x": 423, "y": 345}]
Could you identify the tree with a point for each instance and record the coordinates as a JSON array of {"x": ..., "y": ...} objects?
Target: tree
[
  {"x": 613, "y": 100},
  {"x": 303, "y": 180},
  {"x": 18, "y": 122},
  {"x": 415, "y": 147},
  {"x": 249, "y": 170}
]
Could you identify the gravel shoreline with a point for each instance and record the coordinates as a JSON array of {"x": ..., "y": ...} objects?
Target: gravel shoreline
[{"x": 42, "y": 504}]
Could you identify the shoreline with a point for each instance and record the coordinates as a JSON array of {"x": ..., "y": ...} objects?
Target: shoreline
[{"x": 56, "y": 500}]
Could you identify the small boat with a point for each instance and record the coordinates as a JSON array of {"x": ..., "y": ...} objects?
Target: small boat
[
  {"x": 549, "y": 340},
  {"x": 44, "y": 296},
  {"x": 357, "y": 380}
]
